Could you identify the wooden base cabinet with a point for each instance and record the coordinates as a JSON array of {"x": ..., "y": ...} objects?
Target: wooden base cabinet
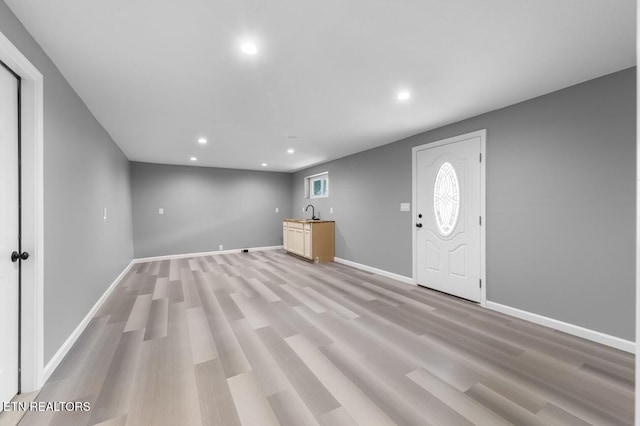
[{"x": 311, "y": 240}]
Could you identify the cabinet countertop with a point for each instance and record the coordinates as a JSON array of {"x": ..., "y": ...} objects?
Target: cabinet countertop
[{"x": 307, "y": 221}]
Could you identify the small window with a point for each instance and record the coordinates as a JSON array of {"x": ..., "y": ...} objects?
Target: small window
[{"x": 317, "y": 186}]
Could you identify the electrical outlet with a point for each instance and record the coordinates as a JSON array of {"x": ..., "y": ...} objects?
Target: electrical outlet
[
  {"x": 160, "y": 210},
  {"x": 220, "y": 247},
  {"x": 277, "y": 209},
  {"x": 303, "y": 210}
]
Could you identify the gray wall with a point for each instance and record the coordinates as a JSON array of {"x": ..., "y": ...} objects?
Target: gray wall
[
  {"x": 560, "y": 203},
  {"x": 84, "y": 171},
  {"x": 205, "y": 207}
]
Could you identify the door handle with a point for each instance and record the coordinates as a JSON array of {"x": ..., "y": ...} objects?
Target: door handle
[
  {"x": 418, "y": 225},
  {"x": 15, "y": 256}
]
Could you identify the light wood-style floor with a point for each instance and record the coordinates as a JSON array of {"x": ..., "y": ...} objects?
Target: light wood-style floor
[{"x": 263, "y": 338}]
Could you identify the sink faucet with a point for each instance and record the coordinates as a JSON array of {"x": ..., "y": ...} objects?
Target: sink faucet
[{"x": 313, "y": 212}]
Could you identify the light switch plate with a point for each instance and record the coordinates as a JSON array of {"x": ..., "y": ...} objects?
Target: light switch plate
[
  {"x": 405, "y": 207},
  {"x": 160, "y": 210},
  {"x": 277, "y": 209},
  {"x": 331, "y": 210}
]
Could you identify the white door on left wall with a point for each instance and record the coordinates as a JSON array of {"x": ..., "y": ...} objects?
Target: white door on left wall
[{"x": 9, "y": 271}]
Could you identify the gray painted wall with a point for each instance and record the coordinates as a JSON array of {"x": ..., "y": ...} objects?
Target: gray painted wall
[
  {"x": 205, "y": 207},
  {"x": 84, "y": 171},
  {"x": 560, "y": 203}
]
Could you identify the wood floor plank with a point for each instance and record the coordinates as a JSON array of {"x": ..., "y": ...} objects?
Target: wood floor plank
[
  {"x": 139, "y": 313},
  {"x": 194, "y": 265},
  {"x": 290, "y": 409},
  {"x": 427, "y": 404},
  {"x": 203, "y": 347},
  {"x": 569, "y": 342},
  {"x": 503, "y": 407},
  {"x": 337, "y": 417},
  {"x": 253, "y": 408},
  {"x": 264, "y": 291},
  {"x": 84, "y": 369},
  {"x": 313, "y": 393},
  {"x": 116, "y": 421},
  {"x": 166, "y": 389},
  {"x": 557, "y": 416},
  {"x": 331, "y": 304},
  {"x": 228, "y": 305},
  {"x": 142, "y": 409},
  {"x": 266, "y": 370},
  {"x": 264, "y": 338},
  {"x": 154, "y": 269},
  {"x": 304, "y": 299},
  {"x": 230, "y": 353},
  {"x": 176, "y": 294},
  {"x": 473, "y": 411},
  {"x": 115, "y": 394},
  {"x": 160, "y": 291},
  {"x": 158, "y": 319},
  {"x": 242, "y": 285},
  {"x": 255, "y": 317},
  {"x": 217, "y": 407},
  {"x": 375, "y": 388},
  {"x": 174, "y": 269},
  {"x": 492, "y": 368},
  {"x": 163, "y": 271},
  {"x": 359, "y": 407},
  {"x": 618, "y": 379},
  {"x": 189, "y": 290},
  {"x": 597, "y": 393}
]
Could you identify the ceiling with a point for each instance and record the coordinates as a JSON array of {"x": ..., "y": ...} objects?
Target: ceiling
[{"x": 158, "y": 75}]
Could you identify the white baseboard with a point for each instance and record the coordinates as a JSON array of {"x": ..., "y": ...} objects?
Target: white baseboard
[
  {"x": 206, "y": 253},
  {"x": 382, "y": 272},
  {"x": 62, "y": 352},
  {"x": 585, "y": 333}
]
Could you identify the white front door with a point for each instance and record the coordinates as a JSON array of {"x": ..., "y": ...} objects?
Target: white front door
[
  {"x": 8, "y": 235},
  {"x": 447, "y": 214}
]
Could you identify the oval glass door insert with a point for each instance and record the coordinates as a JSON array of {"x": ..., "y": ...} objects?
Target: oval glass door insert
[{"x": 446, "y": 199}]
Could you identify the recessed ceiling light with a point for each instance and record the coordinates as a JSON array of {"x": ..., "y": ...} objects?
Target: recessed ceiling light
[
  {"x": 290, "y": 151},
  {"x": 264, "y": 164},
  {"x": 202, "y": 141},
  {"x": 194, "y": 158},
  {"x": 403, "y": 95},
  {"x": 249, "y": 48}
]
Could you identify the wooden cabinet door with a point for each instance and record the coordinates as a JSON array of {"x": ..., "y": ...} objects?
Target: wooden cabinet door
[
  {"x": 284, "y": 236},
  {"x": 295, "y": 241},
  {"x": 307, "y": 243}
]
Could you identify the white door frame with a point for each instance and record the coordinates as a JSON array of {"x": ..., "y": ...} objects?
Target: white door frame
[
  {"x": 32, "y": 333},
  {"x": 483, "y": 206}
]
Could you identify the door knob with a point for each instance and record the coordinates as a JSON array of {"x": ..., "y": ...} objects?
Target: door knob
[
  {"x": 418, "y": 225},
  {"x": 15, "y": 256}
]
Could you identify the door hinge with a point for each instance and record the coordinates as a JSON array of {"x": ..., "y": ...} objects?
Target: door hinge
[
  {"x": 481, "y": 157},
  {"x": 480, "y": 220},
  {"x": 480, "y": 282}
]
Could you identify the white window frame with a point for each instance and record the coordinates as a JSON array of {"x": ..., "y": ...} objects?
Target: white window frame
[{"x": 308, "y": 185}]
